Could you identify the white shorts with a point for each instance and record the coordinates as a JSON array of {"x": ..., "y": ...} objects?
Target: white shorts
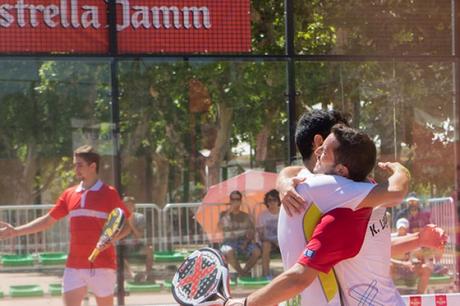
[{"x": 99, "y": 281}]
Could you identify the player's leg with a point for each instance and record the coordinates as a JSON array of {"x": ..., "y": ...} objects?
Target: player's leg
[
  {"x": 423, "y": 272},
  {"x": 230, "y": 255},
  {"x": 254, "y": 252},
  {"x": 128, "y": 271},
  {"x": 149, "y": 263},
  {"x": 104, "y": 301},
  {"x": 74, "y": 287},
  {"x": 102, "y": 284},
  {"x": 229, "y": 249},
  {"x": 266, "y": 250},
  {"x": 74, "y": 297}
]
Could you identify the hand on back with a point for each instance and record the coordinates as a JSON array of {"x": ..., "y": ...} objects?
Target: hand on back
[{"x": 292, "y": 201}]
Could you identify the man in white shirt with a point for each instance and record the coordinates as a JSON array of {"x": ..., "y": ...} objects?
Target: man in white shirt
[
  {"x": 324, "y": 193},
  {"x": 323, "y": 289}
]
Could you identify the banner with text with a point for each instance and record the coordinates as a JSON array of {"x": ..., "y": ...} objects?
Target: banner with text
[{"x": 143, "y": 26}]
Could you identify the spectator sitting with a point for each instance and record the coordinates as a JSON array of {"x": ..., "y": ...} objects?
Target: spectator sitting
[
  {"x": 414, "y": 214},
  {"x": 238, "y": 230},
  {"x": 135, "y": 244},
  {"x": 267, "y": 227},
  {"x": 407, "y": 268},
  {"x": 417, "y": 217}
]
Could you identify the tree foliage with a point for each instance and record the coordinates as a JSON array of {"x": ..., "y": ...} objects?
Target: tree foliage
[{"x": 48, "y": 106}]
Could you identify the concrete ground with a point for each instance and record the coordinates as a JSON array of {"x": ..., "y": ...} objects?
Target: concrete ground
[
  {"x": 44, "y": 279},
  {"x": 164, "y": 297}
]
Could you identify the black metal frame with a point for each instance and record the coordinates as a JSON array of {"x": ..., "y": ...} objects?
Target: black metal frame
[{"x": 456, "y": 96}]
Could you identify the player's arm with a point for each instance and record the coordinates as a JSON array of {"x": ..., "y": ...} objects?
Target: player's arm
[
  {"x": 402, "y": 263},
  {"x": 260, "y": 230},
  {"x": 283, "y": 287},
  {"x": 220, "y": 223},
  {"x": 38, "y": 225},
  {"x": 320, "y": 255},
  {"x": 404, "y": 244},
  {"x": 125, "y": 230},
  {"x": 137, "y": 233},
  {"x": 251, "y": 234},
  {"x": 429, "y": 236},
  {"x": 285, "y": 184},
  {"x": 393, "y": 191},
  {"x": 129, "y": 222}
]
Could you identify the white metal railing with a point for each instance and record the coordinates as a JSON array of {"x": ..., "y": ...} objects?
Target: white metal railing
[
  {"x": 444, "y": 215},
  {"x": 152, "y": 230},
  {"x": 175, "y": 227},
  {"x": 55, "y": 240},
  {"x": 181, "y": 227}
]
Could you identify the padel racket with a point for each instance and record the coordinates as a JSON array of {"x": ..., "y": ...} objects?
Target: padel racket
[
  {"x": 112, "y": 227},
  {"x": 202, "y": 279}
]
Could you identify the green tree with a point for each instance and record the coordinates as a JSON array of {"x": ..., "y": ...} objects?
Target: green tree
[{"x": 40, "y": 101}]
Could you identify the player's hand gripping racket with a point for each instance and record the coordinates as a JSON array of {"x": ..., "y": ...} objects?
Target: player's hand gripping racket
[
  {"x": 112, "y": 227},
  {"x": 202, "y": 279}
]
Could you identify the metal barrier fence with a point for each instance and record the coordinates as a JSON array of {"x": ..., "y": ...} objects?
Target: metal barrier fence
[
  {"x": 175, "y": 227},
  {"x": 444, "y": 215},
  {"x": 55, "y": 240},
  {"x": 180, "y": 227},
  {"x": 184, "y": 230},
  {"x": 153, "y": 232},
  {"x": 171, "y": 228}
]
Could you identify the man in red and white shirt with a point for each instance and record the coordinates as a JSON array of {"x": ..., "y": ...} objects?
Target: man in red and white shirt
[
  {"x": 341, "y": 232},
  {"x": 88, "y": 205},
  {"x": 324, "y": 193}
]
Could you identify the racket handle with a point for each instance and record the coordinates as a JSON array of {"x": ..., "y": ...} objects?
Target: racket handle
[{"x": 94, "y": 254}]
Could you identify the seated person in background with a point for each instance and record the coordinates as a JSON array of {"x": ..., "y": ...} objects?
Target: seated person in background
[
  {"x": 135, "y": 244},
  {"x": 407, "y": 268},
  {"x": 417, "y": 217},
  {"x": 267, "y": 228},
  {"x": 239, "y": 234}
]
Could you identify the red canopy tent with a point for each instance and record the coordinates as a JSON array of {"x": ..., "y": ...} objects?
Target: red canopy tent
[{"x": 252, "y": 184}]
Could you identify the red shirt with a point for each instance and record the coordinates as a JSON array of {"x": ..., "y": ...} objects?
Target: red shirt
[
  {"x": 339, "y": 235},
  {"x": 88, "y": 211}
]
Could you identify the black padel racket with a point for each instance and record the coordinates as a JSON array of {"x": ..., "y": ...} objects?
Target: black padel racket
[
  {"x": 112, "y": 227},
  {"x": 202, "y": 279}
]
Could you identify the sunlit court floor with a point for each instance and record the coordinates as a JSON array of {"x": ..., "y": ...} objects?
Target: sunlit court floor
[
  {"x": 140, "y": 300},
  {"x": 164, "y": 297},
  {"x": 44, "y": 279}
]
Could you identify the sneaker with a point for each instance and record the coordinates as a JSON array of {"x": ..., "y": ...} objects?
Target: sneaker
[
  {"x": 150, "y": 278},
  {"x": 139, "y": 277}
]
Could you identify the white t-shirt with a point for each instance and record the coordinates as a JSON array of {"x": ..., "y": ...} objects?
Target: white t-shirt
[
  {"x": 323, "y": 193},
  {"x": 267, "y": 226},
  {"x": 365, "y": 279}
]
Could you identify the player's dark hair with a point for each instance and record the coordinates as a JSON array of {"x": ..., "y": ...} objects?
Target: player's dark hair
[
  {"x": 272, "y": 194},
  {"x": 356, "y": 151},
  {"x": 88, "y": 154},
  {"x": 312, "y": 123}
]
